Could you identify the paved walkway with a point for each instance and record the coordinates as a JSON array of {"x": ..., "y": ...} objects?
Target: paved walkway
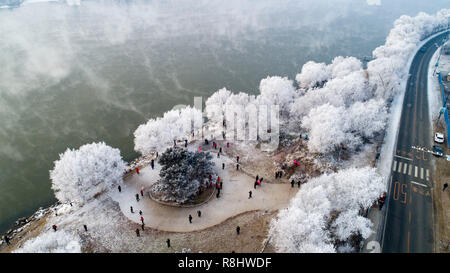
[{"x": 233, "y": 199}]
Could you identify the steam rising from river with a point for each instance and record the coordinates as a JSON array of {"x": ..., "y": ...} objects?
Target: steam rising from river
[{"x": 73, "y": 74}]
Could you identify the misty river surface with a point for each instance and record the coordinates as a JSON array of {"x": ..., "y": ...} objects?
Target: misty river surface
[{"x": 72, "y": 73}]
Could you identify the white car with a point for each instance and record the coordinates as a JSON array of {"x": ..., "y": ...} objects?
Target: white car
[{"x": 439, "y": 138}]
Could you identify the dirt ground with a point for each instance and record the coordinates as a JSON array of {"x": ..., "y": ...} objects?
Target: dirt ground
[
  {"x": 442, "y": 198},
  {"x": 221, "y": 238}
]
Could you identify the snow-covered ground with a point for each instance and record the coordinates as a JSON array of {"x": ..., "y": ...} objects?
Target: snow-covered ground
[{"x": 233, "y": 198}]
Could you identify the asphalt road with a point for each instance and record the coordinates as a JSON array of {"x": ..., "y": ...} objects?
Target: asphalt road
[{"x": 409, "y": 210}]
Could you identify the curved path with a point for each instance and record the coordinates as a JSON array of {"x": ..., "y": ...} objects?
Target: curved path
[
  {"x": 233, "y": 199},
  {"x": 409, "y": 219}
]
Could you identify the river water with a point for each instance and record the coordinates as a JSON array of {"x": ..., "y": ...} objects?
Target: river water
[{"x": 72, "y": 74}]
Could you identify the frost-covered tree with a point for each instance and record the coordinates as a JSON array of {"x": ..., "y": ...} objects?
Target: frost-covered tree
[
  {"x": 215, "y": 105},
  {"x": 310, "y": 223},
  {"x": 367, "y": 118},
  {"x": 79, "y": 175},
  {"x": 312, "y": 74},
  {"x": 330, "y": 127},
  {"x": 327, "y": 128},
  {"x": 341, "y": 67},
  {"x": 183, "y": 173},
  {"x": 276, "y": 91},
  {"x": 157, "y": 134},
  {"x": 52, "y": 242}
]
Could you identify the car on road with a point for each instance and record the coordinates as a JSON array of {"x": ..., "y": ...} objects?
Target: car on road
[
  {"x": 438, "y": 151},
  {"x": 439, "y": 138}
]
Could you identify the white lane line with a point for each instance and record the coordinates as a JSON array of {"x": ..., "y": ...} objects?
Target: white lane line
[
  {"x": 420, "y": 184},
  {"x": 421, "y": 173},
  {"x": 403, "y": 157},
  {"x": 399, "y": 166},
  {"x": 410, "y": 170},
  {"x": 415, "y": 171},
  {"x": 428, "y": 175},
  {"x": 395, "y": 166},
  {"x": 405, "y": 168}
]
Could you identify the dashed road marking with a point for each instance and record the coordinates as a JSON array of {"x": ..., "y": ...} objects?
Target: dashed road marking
[
  {"x": 410, "y": 170},
  {"x": 420, "y": 184},
  {"x": 428, "y": 175},
  {"x": 415, "y": 171},
  {"x": 403, "y": 157},
  {"x": 399, "y": 166},
  {"x": 421, "y": 173},
  {"x": 405, "y": 168},
  {"x": 394, "y": 168}
]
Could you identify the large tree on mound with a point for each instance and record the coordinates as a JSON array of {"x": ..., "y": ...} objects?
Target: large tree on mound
[
  {"x": 183, "y": 174},
  {"x": 81, "y": 174}
]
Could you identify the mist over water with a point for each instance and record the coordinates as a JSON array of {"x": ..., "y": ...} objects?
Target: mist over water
[{"x": 72, "y": 74}]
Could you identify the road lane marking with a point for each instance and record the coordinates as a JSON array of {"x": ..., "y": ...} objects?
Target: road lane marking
[
  {"x": 395, "y": 166},
  {"x": 415, "y": 171},
  {"x": 420, "y": 184},
  {"x": 405, "y": 168},
  {"x": 410, "y": 170},
  {"x": 428, "y": 175},
  {"x": 399, "y": 167},
  {"x": 403, "y": 157},
  {"x": 421, "y": 173}
]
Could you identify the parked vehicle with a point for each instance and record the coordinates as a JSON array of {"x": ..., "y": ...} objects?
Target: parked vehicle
[
  {"x": 438, "y": 151},
  {"x": 439, "y": 138}
]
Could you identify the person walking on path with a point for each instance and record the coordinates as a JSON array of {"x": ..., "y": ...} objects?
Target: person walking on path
[
  {"x": 199, "y": 213},
  {"x": 142, "y": 220},
  {"x": 237, "y": 167},
  {"x": 298, "y": 183},
  {"x": 140, "y": 212},
  {"x": 137, "y": 233},
  {"x": 223, "y": 166},
  {"x": 190, "y": 219},
  {"x": 249, "y": 194},
  {"x": 137, "y": 170},
  {"x": 220, "y": 150},
  {"x": 381, "y": 200},
  {"x": 218, "y": 193},
  {"x": 292, "y": 183},
  {"x": 218, "y": 155},
  {"x": 142, "y": 191},
  {"x": 119, "y": 188},
  {"x": 228, "y": 144},
  {"x": 85, "y": 227},
  {"x": 445, "y": 186},
  {"x": 256, "y": 178},
  {"x": 142, "y": 226},
  {"x": 168, "y": 243},
  {"x": 261, "y": 180},
  {"x": 185, "y": 143},
  {"x": 238, "y": 230},
  {"x": 174, "y": 143},
  {"x": 152, "y": 164},
  {"x": 131, "y": 209},
  {"x": 256, "y": 183},
  {"x": 54, "y": 227},
  {"x": 199, "y": 149},
  {"x": 6, "y": 240},
  {"x": 237, "y": 159},
  {"x": 220, "y": 185},
  {"x": 137, "y": 197}
]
